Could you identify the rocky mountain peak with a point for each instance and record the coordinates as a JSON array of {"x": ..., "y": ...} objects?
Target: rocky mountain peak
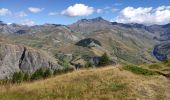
[
  {"x": 15, "y": 25},
  {"x": 94, "y": 20},
  {"x": 89, "y": 25},
  {"x": 166, "y": 26},
  {"x": 98, "y": 19},
  {"x": 2, "y": 23}
]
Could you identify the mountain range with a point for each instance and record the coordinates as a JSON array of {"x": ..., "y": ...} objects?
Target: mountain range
[{"x": 27, "y": 48}]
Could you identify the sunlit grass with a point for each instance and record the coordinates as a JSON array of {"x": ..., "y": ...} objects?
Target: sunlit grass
[{"x": 107, "y": 83}]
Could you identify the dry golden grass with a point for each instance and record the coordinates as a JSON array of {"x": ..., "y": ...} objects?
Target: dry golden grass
[
  {"x": 97, "y": 52},
  {"x": 106, "y": 83}
]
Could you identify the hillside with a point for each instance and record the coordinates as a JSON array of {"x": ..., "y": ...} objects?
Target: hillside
[
  {"x": 87, "y": 39},
  {"x": 118, "y": 40},
  {"x": 106, "y": 83}
]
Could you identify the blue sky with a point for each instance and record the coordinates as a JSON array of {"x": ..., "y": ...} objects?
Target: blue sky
[{"x": 68, "y": 11}]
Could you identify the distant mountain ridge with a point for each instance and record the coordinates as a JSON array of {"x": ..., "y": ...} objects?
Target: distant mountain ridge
[
  {"x": 131, "y": 42},
  {"x": 96, "y": 23},
  {"x": 160, "y": 33}
]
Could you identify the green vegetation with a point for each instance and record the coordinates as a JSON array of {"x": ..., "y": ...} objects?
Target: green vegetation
[
  {"x": 47, "y": 73},
  {"x": 117, "y": 86},
  {"x": 166, "y": 63},
  {"x": 41, "y": 73},
  {"x": 159, "y": 66},
  {"x": 38, "y": 74},
  {"x": 138, "y": 70},
  {"x": 154, "y": 66},
  {"x": 87, "y": 41},
  {"x": 104, "y": 60},
  {"x": 88, "y": 65},
  {"x": 26, "y": 77},
  {"x": 17, "y": 77},
  {"x": 63, "y": 61},
  {"x": 59, "y": 71}
]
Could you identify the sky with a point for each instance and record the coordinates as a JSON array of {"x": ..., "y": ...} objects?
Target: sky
[{"x": 31, "y": 12}]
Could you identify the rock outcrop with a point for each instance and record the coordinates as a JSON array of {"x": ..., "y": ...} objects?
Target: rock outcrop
[
  {"x": 88, "y": 42},
  {"x": 14, "y": 58}
]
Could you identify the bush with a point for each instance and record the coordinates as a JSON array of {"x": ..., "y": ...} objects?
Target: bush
[
  {"x": 65, "y": 70},
  {"x": 63, "y": 62},
  {"x": 26, "y": 77},
  {"x": 138, "y": 70},
  {"x": 88, "y": 65},
  {"x": 40, "y": 73},
  {"x": 17, "y": 77},
  {"x": 37, "y": 74},
  {"x": 55, "y": 72},
  {"x": 104, "y": 60},
  {"x": 47, "y": 73}
]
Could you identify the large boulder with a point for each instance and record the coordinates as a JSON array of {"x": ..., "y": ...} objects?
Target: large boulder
[{"x": 14, "y": 58}]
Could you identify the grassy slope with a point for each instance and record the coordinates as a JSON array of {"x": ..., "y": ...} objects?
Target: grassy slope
[
  {"x": 105, "y": 84},
  {"x": 125, "y": 45},
  {"x": 160, "y": 67}
]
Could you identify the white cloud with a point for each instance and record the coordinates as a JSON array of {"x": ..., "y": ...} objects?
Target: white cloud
[
  {"x": 99, "y": 10},
  {"x": 4, "y": 12},
  {"x": 34, "y": 9},
  {"x": 53, "y": 13},
  {"x": 114, "y": 9},
  {"x": 78, "y": 10},
  {"x": 21, "y": 14},
  {"x": 28, "y": 22},
  {"x": 9, "y": 23},
  {"x": 106, "y": 9},
  {"x": 148, "y": 16}
]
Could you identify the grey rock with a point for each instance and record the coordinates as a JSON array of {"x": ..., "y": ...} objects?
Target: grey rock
[{"x": 15, "y": 58}]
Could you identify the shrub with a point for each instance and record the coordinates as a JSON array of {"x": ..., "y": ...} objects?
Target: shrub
[
  {"x": 26, "y": 77},
  {"x": 17, "y": 77},
  {"x": 88, "y": 65},
  {"x": 63, "y": 62},
  {"x": 47, "y": 73},
  {"x": 38, "y": 74},
  {"x": 61, "y": 71},
  {"x": 104, "y": 60},
  {"x": 138, "y": 70},
  {"x": 55, "y": 72}
]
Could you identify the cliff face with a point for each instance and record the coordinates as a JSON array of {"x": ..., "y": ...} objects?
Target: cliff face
[{"x": 14, "y": 58}]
